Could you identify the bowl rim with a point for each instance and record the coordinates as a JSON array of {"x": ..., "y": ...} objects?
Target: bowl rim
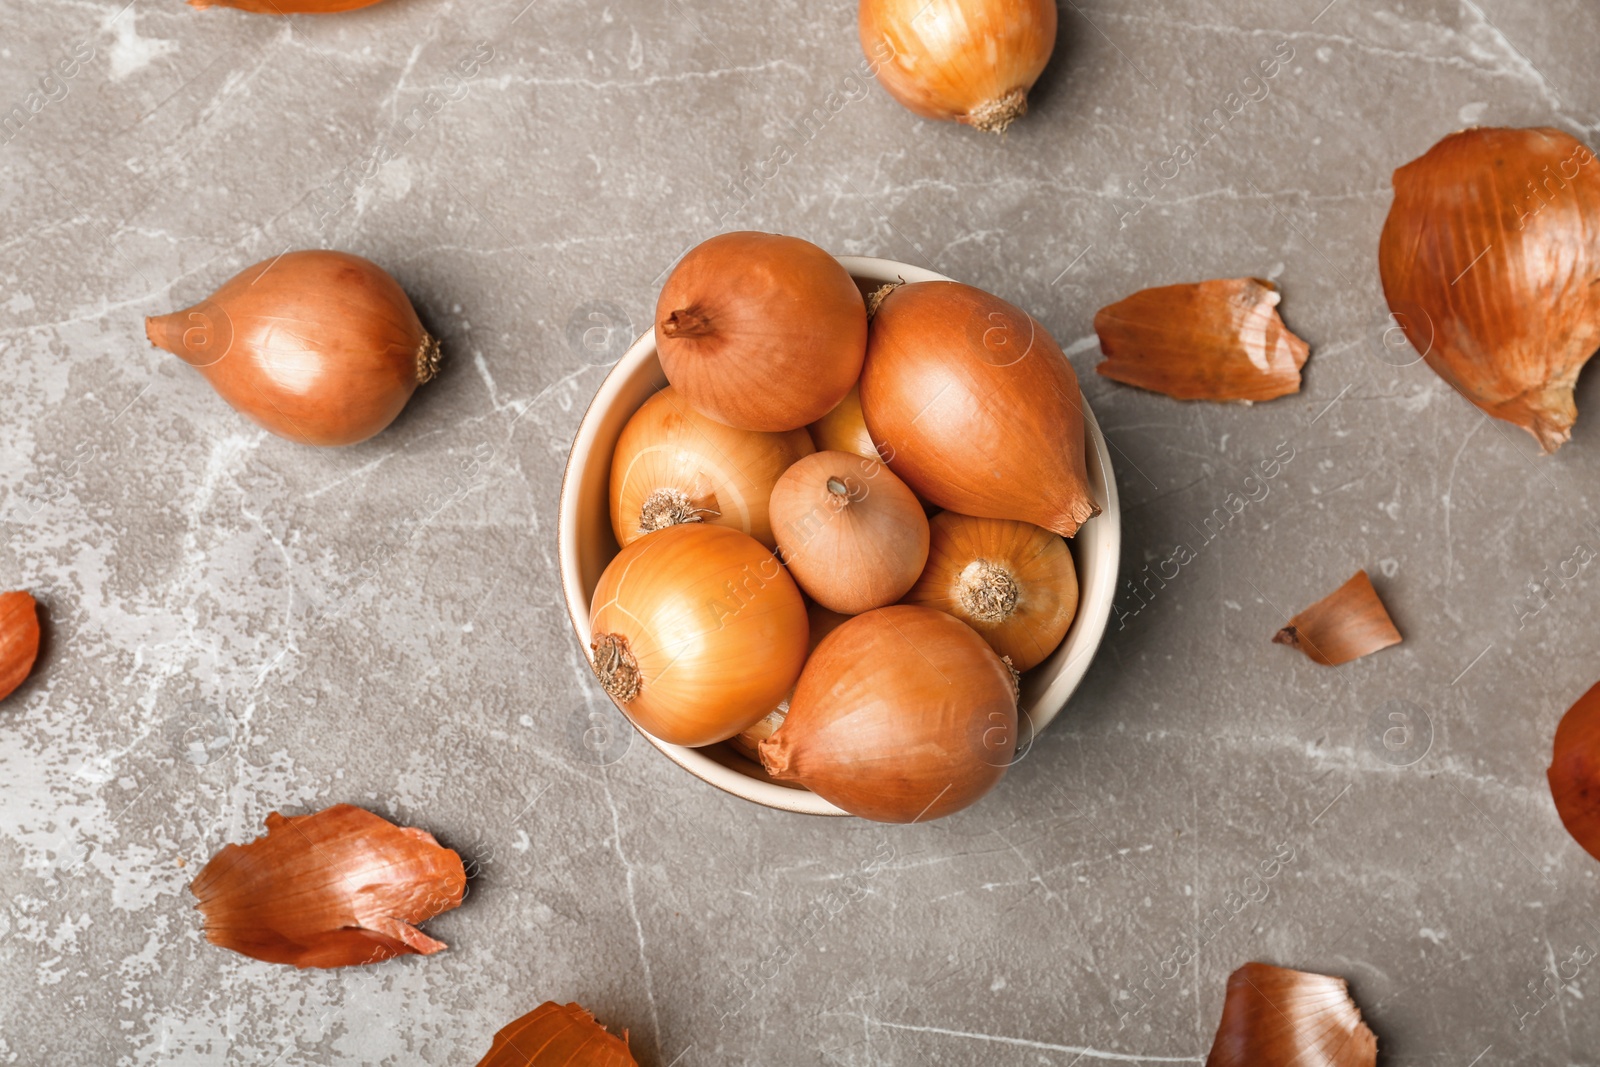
[{"x": 1095, "y": 598}]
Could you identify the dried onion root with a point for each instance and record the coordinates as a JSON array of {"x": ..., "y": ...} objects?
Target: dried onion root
[
  {"x": 1275, "y": 1017},
  {"x": 1215, "y": 340},
  {"x": 1348, "y": 623},
  {"x": 339, "y": 887}
]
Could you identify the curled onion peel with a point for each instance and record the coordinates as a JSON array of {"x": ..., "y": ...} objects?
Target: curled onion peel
[
  {"x": 558, "y": 1035},
  {"x": 1348, "y": 623},
  {"x": 1273, "y": 1016},
  {"x": 1490, "y": 259}
]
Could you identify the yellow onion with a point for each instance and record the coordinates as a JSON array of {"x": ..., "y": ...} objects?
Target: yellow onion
[
  {"x": 967, "y": 61},
  {"x": 761, "y": 331},
  {"x": 1012, "y": 582},
  {"x": 318, "y": 347},
  {"x": 902, "y": 714},
  {"x": 844, "y": 429},
  {"x": 1490, "y": 259},
  {"x": 697, "y": 633},
  {"x": 558, "y": 1035},
  {"x": 339, "y": 887},
  {"x": 972, "y": 403},
  {"x": 19, "y": 639},
  {"x": 851, "y": 534},
  {"x": 674, "y": 465}
]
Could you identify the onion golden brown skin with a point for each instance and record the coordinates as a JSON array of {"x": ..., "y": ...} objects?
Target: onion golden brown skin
[
  {"x": 1012, "y": 582},
  {"x": 1574, "y": 773},
  {"x": 761, "y": 331},
  {"x": 902, "y": 714},
  {"x": 1490, "y": 259},
  {"x": 850, "y": 532},
  {"x": 844, "y": 429},
  {"x": 966, "y": 61},
  {"x": 558, "y": 1035},
  {"x": 286, "y": 7},
  {"x": 972, "y": 403},
  {"x": 697, "y": 632},
  {"x": 19, "y": 639},
  {"x": 674, "y": 465},
  {"x": 318, "y": 347}
]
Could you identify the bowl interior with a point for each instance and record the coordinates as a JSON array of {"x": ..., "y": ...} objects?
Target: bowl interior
[{"x": 587, "y": 545}]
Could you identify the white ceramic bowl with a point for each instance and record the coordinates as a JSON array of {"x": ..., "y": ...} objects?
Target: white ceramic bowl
[{"x": 587, "y": 545}]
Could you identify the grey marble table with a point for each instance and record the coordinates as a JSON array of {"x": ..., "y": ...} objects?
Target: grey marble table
[{"x": 237, "y": 624}]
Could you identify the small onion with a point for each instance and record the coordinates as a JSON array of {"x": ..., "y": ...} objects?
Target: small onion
[
  {"x": 748, "y": 741},
  {"x": 844, "y": 429},
  {"x": 697, "y": 633},
  {"x": 967, "y": 61},
  {"x": 318, "y": 347},
  {"x": 673, "y": 465},
  {"x": 902, "y": 714},
  {"x": 1012, "y": 582},
  {"x": 761, "y": 331},
  {"x": 972, "y": 403},
  {"x": 850, "y": 532}
]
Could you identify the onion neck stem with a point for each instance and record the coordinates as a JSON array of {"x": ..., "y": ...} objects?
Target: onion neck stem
[{"x": 686, "y": 322}]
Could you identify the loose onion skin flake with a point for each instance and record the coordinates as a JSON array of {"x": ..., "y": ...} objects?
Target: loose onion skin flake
[
  {"x": 1575, "y": 771},
  {"x": 333, "y": 889},
  {"x": 966, "y": 61},
  {"x": 761, "y": 331},
  {"x": 1274, "y": 1017},
  {"x": 973, "y": 405},
  {"x": 1012, "y": 582},
  {"x": 558, "y": 1035},
  {"x": 1215, "y": 340},
  {"x": 674, "y": 465},
  {"x": 902, "y": 714},
  {"x": 1348, "y": 623},
  {"x": 323, "y": 348},
  {"x": 698, "y": 632},
  {"x": 1490, "y": 260},
  {"x": 19, "y": 640}
]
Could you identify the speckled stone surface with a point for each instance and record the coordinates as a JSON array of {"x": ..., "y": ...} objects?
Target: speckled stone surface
[{"x": 237, "y": 624}]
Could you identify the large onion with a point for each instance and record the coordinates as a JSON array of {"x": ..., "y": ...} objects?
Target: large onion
[
  {"x": 761, "y": 331},
  {"x": 850, "y": 532},
  {"x": 901, "y": 715},
  {"x": 697, "y": 633},
  {"x": 1490, "y": 260},
  {"x": 673, "y": 465},
  {"x": 967, "y": 61},
  {"x": 1010, "y": 581},
  {"x": 972, "y": 403}
]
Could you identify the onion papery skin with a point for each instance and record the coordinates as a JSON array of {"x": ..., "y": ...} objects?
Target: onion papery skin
[
  {"x": 1574, "y": 773},
  {"x": 286, "y": 7},
  {"x": 19, "y": 640},
  {"x": 844, "y": 429},
  {"x": 710, "y": 630},
  {"x": 851, "y": 534},
  {"x": 318, "y": 347},
  {"x": 1012, "y": 582},
  {"x": 902, "y": 714},
  {"x": 761, "y": 331},
  {"x": 966, "y": 61},
  {"x": 673, "y": 464},
  {"x": 558, "y": 1035},
  {"x": 973, "y": 405},
  {"x": 1273, "y": 1016},
  {"x": 1348, "y": 623},
  {"x": 1490, "y": 259},
  {"x": 339, "y": 887}
]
